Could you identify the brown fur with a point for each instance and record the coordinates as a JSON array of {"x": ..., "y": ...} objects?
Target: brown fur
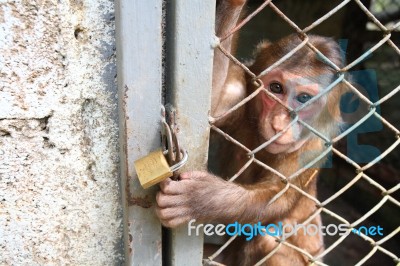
[{"x": 207, "y": 198}]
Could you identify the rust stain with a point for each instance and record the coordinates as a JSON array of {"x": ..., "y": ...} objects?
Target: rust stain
[
  {"x": 139, "y": 201},
  {"x": 125, "y": 148}
]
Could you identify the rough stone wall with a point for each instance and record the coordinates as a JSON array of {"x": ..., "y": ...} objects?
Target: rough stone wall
[{"x": 59, "y": 193}]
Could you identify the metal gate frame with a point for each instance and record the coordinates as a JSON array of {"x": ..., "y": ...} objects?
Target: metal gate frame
[{"x": 189, "y": 55}]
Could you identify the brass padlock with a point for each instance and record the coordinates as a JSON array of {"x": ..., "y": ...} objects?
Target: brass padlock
[{"x": 154, "y": 168}]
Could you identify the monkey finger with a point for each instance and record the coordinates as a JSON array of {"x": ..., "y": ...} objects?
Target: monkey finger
[
  {"x": 166, "y": 181},
  {"x": 172, "y": 223},
  {"x": 186, "y": 175},
  {"x": 171, "y": 213},
  {"x": 164, "y": 200},
  {"x": 170, "y": 186},
  {"x": 192, "y": 175}
]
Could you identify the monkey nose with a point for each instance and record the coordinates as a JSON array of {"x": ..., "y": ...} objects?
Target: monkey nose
[{"x": 280, "y": 122}]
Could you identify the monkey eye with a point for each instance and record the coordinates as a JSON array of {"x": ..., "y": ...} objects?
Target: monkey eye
[
  {"x": 303, "y": 97},
  {"x": 276, "y": 87}
]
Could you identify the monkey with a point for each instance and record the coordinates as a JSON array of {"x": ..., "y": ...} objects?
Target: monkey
[{"x": 297, "y": 84}]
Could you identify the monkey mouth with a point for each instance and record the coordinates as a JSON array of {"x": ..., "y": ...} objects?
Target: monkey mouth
[
  {"x": 275, "y": 143},
  {"x": 280, "y": 143}
]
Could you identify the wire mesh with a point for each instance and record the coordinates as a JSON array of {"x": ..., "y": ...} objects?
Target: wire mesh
[{"x": 386, "y": 195}]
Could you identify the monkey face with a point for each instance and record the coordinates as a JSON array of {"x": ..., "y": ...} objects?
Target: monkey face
[{"x": 294, "y": 91}]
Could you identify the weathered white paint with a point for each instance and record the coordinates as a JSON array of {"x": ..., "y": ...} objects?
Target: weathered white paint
[
  {"x": 190, "y": 51},
  {"x": 59, "y": 193},
  {"x": 139, "y": 50}
]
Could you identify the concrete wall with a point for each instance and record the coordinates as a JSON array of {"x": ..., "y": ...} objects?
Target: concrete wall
[{"x": 59, "y": 192}]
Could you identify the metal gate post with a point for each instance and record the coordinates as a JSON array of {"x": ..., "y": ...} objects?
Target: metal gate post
[
  {"x": 190, "y": 36},
  {"x": 139, "y": 63}
]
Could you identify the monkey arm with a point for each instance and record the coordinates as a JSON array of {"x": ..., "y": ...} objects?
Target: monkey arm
[
  {"x": 207, "y": 198},
  {"x": 228, "y": 84},
  {"x": 262, "y": 208},
  {"x": 228, "y": 13}
]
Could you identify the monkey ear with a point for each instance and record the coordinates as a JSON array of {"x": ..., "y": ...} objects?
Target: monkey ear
[
  {"x": 259, "y": 56},
  {"x": 261, "y": 46}
]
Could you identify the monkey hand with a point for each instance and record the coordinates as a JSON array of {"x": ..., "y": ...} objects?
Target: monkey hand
[{"x": 201, "y": 196}]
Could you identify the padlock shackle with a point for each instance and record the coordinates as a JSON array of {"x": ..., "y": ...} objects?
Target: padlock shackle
[{"x": 181, "y": 163}]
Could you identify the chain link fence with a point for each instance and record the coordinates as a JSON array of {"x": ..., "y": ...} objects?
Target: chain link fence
[{"x": 364, "y": 164}]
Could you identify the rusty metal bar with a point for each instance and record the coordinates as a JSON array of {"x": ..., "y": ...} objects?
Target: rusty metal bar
[
  {"x": 189, "y": 54},
  {"x": 139, "y": 57}
]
